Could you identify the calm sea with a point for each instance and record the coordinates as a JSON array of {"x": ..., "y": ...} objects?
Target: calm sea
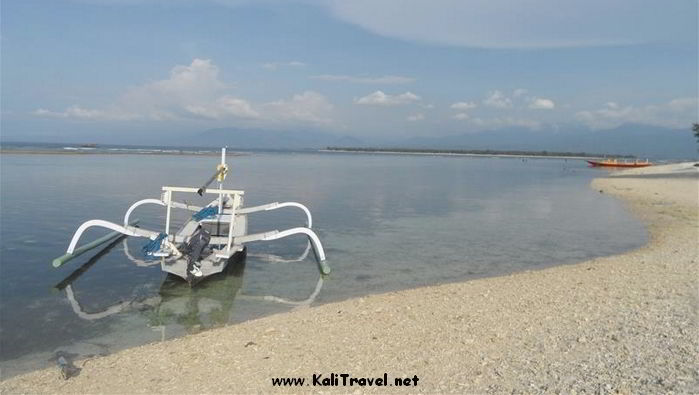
[{"x": 388, "y": 222}]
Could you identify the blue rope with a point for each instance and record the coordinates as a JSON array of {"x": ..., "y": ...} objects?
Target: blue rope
[
  {"x": 153, "y": 246},
  {"x": 206, "y": 212}
]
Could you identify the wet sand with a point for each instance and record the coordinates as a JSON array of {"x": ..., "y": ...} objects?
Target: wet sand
[{"x": 625, "y": 323}]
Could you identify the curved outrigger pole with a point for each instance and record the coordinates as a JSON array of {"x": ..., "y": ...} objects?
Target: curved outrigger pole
[{"x": 277, "y": 205}]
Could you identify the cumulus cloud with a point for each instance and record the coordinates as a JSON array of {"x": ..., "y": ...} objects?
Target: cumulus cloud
[
  {"x": 462, "y": 105},
  {"x": 196, "y": 86},
  {"x": 537, "y": 103},
  {"x": 223, "y": 107},
  {"x": 416, "y": 117},
  {"x": 518, "y": 98},
  {"x": 514, "y": 101},
  {"x": 196, "y": 82},
  {"x": 379, "y": 98},
  {"x": 78, "y": 112},
  {"x": 677, "y": 113},
  {"x": 386, "y": 79},
  {"x": 497, "y": 99},
  {"x": 195, "y": 91}
]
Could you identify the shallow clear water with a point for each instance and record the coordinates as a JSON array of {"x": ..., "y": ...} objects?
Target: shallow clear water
[{"x": 387, "y": 222}]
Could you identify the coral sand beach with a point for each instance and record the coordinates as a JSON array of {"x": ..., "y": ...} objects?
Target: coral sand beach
[{"x": 625, "y": 323}]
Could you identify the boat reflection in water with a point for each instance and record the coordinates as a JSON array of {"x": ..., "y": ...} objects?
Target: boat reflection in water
[{"x": 209, "y": 305}]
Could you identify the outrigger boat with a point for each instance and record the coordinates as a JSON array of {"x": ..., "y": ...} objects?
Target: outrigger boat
[
  {"x": 616, "y": 163},
  {"x": 204, "y": 245}
]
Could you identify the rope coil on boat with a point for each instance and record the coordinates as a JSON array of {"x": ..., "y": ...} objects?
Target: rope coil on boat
[{"x": 221, "y": 171}]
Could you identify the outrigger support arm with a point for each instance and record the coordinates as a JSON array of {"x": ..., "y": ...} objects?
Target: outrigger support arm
[
  {"x": 57, "y": 262},
  {"x": 128, "y": 230},
  {"x": 276, "y": 205},
  {"x": 138, "y": 203},
  {"x": 276, "y": 234},
  {"x": 160, "y": 203}
]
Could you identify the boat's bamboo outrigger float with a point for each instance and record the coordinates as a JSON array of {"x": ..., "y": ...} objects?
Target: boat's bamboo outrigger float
[{"x": 206, "y": 242}]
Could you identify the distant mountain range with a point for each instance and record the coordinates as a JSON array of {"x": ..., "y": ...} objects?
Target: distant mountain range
[
  {"x": 639, "y": 140},
  {"x": 270, "y": 139}
]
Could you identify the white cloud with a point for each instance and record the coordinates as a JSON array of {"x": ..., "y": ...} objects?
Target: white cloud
[
  {"x": 272, "y": 66},
  {"x": 519, "y": 24},
  {"x": 677, "y": 113},
  {"x": 194, "y": 86},
  {"x": 537, "y": 103},
  {"x": 498, "y": 100},
  {"x": 416, "y": 117},
  {"x": 386, "y": 79},
  {"x": 196, "y": 91},
  {"x": 462, "y": 105},
  {"x": 379, "y": 98},
  {"x": 78, "y": 112},
  {"x": 223, "y": 107}
]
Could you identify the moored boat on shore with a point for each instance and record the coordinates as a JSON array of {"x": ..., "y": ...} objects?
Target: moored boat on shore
[
  {"x": 207, "y": 241},
  {"x": 617, "y": 163}
]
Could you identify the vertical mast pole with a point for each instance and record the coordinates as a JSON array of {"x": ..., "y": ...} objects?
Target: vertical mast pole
[
  {"x": 220, "y": 184},
  {"x": 168, "y": 198}
]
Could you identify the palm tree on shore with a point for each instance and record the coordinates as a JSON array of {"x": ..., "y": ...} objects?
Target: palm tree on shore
[{"x": 695, "y": 128}]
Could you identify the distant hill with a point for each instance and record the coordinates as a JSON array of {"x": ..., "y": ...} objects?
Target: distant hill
[
  {"x": 638, "y": 140},
  {"x": 270, "y": 139},
  {"x": 553, "y": 154}
]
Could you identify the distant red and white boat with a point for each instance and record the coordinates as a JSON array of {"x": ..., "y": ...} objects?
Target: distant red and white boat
[{"x": 617, "y": 163}]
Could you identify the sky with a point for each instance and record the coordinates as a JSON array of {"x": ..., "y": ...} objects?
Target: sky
[{"x": 124, "y": 70}]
